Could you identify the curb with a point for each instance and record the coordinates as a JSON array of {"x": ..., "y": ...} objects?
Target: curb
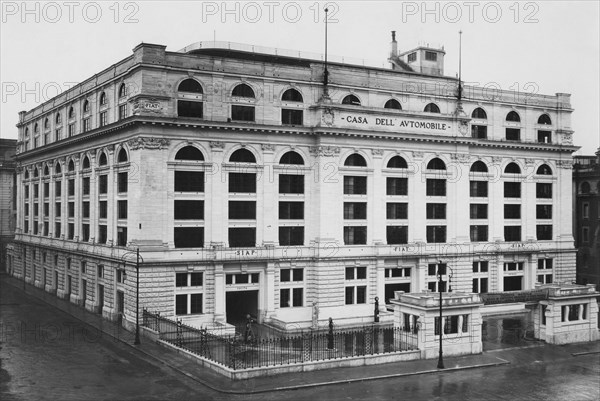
[{"x": 264, "y": 390}]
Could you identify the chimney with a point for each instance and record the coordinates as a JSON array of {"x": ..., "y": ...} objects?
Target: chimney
[{"x": 393, "y": 46}]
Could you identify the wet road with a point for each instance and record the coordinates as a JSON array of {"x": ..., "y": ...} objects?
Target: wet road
[{"x": 47, "y": 354}]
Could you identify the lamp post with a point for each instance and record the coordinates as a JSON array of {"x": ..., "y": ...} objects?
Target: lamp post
[{"x": 136, "y": 341}]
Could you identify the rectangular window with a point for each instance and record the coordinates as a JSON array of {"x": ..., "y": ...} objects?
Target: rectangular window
[
  {"x": 355, "y": 210},
  {"x": 102, "y": 118},
  {"x": 70, "y": 187},
  {"x": 479, "y": 233},
  {"x": 57, "y": 190},
  {"x": 430, "y": 56},
  {"x": 71, "y": 129},
  {"x": 436, "y": 211},
  {"x": 480, "y": 285},
  {"x": 397, "y": 235},
  {"x": 57, "y": 209},
  {"x": 513, "y": 134},
  {"x": 242, "y": 237},
  {"x": 543, "y": 211},
  {"x": 479, "y": 211},
  {"x": 121, "y": 236},
  {"x": 186, "y": 108},
  {"x": 103, "y": 184},
  {"x": 544, "y": 232},
  {"x": 242, "y": 210},
  {"x": 188, "y": 209},
  {"x": 46, "y": 189},
  {"x": 544, "y": 136},
  {"x": 512, "y": 189},
  {"x": 57, "y": 232},
  {"x": 102, "y": 234},
  {"x": 189, "y": 181},
  {"x": 396, "y": 211},
  {"x": 291, "y": 184},
  {"x": 86, "y": 124},
  {"x": 451, "y": 326},
  {"x": 291, "y": 297},
  {"x": 397, "y": 186},
  {"x": 58, "y": 134},
  {"x": 355, "y": 235},
  {"x": 85, "y": 209},
  {"x": 478, "y": 189},
  {"x": 181, "y": 304},
  {"x": 512, "y": 233},
  {"x": 436, "y": 187},
  {"x": 436, "y": 234},
  {"x": 543, "y": 190},
  {"x": 290, "y": 236},
  {"x": 85, "y": 232},
  {"x": 70, "y": 209},
  {"x": 122, "y": 209},
  {"x": 291, "y": 210},
  {"x": 70, "y": 231},
  {"x": 291, "y": 117},
  {"x": 585, "y": 234},
  {"x": 242, "y": 182},
  {"x": 85, "y": 185},
  {"x": 189, "y": 237},
  {"x": 36, "y": 191},
  {"x": 481, "y": 266},
  {"x": 102, "y": 209},
  {"x": 354, "y": 185},
  {"x": 513, "y": 266},
  {"x": 195, "y": 303},
  {"x": 123, "y": 111},
  {"x": 412, "y": 57},
  {"x": 479, "y": 131},
  {"x": 122, "y": 182},
  {"x": 512, "y": 211},
  {"x": 242, "y": 113}
]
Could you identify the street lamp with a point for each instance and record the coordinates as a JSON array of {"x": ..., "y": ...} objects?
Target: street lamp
[
  {"x": 137, "y": 293},
  {"x": 440, "y": 364}
]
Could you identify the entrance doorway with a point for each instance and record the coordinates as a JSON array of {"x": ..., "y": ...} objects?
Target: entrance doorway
[
  {"x": 120, "y": 305},
  {"x": 239, "y": 304},
  {"x": 513, "y": 283},
  {"x": 100, "y": 298},
  {"x": 507, "y": 331},
  {"x": 391, "y": 288}
]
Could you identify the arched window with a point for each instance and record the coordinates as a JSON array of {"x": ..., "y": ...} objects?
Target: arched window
[
  {"x": 544, "y": 119},
  {"x": 479, "y": 167},
  {"x": 26, "y": 132},
  {"x": 479, "y": 113},
  {"x": 432, "y": 108},
  {"x": 513, "y": 116},
  {"x": 71, "y": 166},
  {"x": 71, "y": 112},
  {"x": 58, "y": 118},
  {"x": 544, "y": 169},
  {"x": 189, "y": 153},
  {"x": 102, "y": 160},
  {"x": 85, "y": 164},
  {"x": 122, "y": 157},
  {"x": 102, "y": 99},
  {"x": 26, "y": 174},
  {"x": 351, "y": 99},
  {"x": 292, "y": 95},
  {"x": 243, "y": 90},
  {"x": 355, "y": 160},
  {"x": 190, "y": 85},
  {"x": 392, "y": 104},
  {"x": 122, "y": 90},
  {"x": 86, "y": 106},
  {"x": 291, "y": 157},
  {"x": 585, "y": 187},
  {"x": 397, "y": 162},
  {"x": 242, "y": 156},
  {"x": 46, "y": 170},
  {"x": 512, "y": 168},
  {"x": 36, "y": 173},
  {"x": 36, "y": 128},
  {"x": 57, "y": 169},
  {"x": 47, "y": 123},
  {"x": 436, "y": 164}
]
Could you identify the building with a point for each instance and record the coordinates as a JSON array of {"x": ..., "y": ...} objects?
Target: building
[
  {"x": 586, "y": 217},
  {"x": 252, "y": 185},
  {"x": 8, "y": 196}
]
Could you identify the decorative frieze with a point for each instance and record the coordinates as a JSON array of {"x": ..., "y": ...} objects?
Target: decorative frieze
[
  {"x": 324, "y": 151},
  {"x": 148, "y": 143},
  {"x": 217, "y": 146}
]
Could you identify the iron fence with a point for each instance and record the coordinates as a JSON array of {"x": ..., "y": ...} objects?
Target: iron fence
[{"x": 236, "y": 353}]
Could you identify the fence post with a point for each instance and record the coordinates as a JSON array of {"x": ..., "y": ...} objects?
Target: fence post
[
  {"x": 330, "y": 335},
  {"x": 179, "y": 334},
  {"x": 306, "y": 354}
]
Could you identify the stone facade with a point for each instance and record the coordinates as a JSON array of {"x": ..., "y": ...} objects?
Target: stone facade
[
  {"x": 194, "y": 158},
  {"x": 8, "y": 207}
]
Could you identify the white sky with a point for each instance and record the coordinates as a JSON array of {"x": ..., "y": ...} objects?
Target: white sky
[{"x": 553, "y": 44}]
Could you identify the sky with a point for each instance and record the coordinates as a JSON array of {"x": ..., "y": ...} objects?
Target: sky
[{"x": 544, "y": 47}]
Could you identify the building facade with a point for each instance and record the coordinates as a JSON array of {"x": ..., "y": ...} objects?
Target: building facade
[
  {"x": 586, "y": 217},
  {"x": 251, "y": 185},
  {"x": 8, "y": 196}
]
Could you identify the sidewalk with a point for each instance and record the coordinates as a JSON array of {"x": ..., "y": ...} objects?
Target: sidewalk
[{"x": 290, "y": 381}]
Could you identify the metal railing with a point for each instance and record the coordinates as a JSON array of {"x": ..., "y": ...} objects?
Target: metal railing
[
  {"x": 492, "y": 298},
  {"x": 236, "y": 353}
]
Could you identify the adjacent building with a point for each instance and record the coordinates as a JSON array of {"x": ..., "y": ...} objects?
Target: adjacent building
[
  {"x": 8, "y": 196},
  {"x": 252, "y": 185},
  {"x": 586, "y": 217}
]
